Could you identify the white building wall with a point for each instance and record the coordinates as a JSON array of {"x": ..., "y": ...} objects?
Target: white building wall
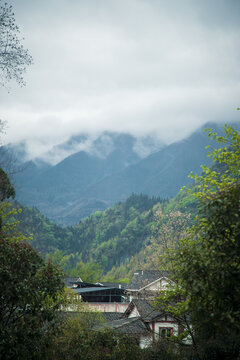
[
  {"x": 153, "y": 287},
  {"x": 160, "y": 284},
  {"x": 158, "y": 325},
  {"x": 134, "y": 313}
]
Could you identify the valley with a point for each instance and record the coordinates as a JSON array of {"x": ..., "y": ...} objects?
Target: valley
[{"x": 97, "y": 178}]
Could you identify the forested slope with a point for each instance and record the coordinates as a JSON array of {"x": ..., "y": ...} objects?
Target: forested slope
[
  {"x": 85, "y": 182},
  {"x": 115, "y": 239}
]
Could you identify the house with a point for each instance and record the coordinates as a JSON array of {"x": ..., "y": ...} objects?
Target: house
[
  {"x": 100, "y": 294},
  {"x": 133, "y": 327},
  {"x": 115, "y": 297},
  {"x": 146, "y": 284},
  {"x": 146, "y": 324},
  {"x": 103, "y": 297},
  {"x": 138, "y": 317},
  {"x": 159, "y": 322}
]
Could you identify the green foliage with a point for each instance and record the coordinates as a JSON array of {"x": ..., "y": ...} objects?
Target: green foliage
[
  {"x": 206, "y": 263},
  {"x": 88, "y": 272},
  {"x": 31, "y": 291},
  {"x": 6, "y": 188},
  {"x": 127, "y": 236},
  {"x": 109, "y": 238},
  {"x": 76, "y": 340},
  {"x": 227, "y": 165},
  {"x": 30, "y": 295}
]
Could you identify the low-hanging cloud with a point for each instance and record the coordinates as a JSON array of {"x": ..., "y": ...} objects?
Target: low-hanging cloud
[{"x": 137, "y": 66}]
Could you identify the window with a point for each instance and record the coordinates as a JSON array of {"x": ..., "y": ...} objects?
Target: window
[{"x": 165, "y": 332}]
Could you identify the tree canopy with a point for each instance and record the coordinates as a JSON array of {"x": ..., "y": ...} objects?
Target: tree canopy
[
  {"x": 31, "y": 293},
  {"x": 206, "y": 264},
  {"x": 13, "y": 57},
  {"x": 6, "y": 188}
]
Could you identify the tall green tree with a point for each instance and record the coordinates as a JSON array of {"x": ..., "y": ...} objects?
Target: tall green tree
[
  {"x": 77, "y": 341},
  {"x": 206, "y": 265},
  {"x": 31, "y": 295}
]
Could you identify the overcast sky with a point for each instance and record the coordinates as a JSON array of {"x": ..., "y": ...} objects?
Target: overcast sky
[{"x": 160, "y": 67}]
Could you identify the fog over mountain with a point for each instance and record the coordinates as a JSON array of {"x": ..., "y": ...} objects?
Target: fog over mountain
[
  {"x": 99, "y": 145},
  {"x": 140, "y": 67},
  {"x": 107, "y": 171}
]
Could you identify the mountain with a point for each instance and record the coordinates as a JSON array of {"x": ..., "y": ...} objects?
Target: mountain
[
  {"x": 57, "y": 190},
  {"x": 131, "y": 234},
  {"x": 108, "y": 238},
  {"x": 124, "y": 237},
  {"x": 160, "y": 174},
  {"x": 106, "y": 170}
]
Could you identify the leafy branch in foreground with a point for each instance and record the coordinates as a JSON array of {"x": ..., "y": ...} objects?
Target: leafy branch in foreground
[
  {"x": 206, "y": 265},
  {"x": 13, "y": 57},
  {"x": 226, "y": 170}
]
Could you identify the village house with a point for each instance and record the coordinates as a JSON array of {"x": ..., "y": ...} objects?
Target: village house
[
  {"x": 129, "y": 309},
  {"x": 146, "y": 284},
  {"x": 103, "y": 297},
  {"x": 142, "y": 321}
]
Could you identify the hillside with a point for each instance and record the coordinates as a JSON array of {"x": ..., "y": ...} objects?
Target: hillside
[
  {"x": 131, "y": 234},
  {"x": 107, "y": 171},
  {"x": 160, "y": 174},
  {"x": 116, "y": 239},
  {"x": 59, "y": 190}
]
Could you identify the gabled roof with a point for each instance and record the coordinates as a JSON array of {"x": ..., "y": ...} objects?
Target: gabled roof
[
  {"x": 129, "y": 326},
  {"x": 143, "y": 278},
  {"x": 145, "y": 309}
]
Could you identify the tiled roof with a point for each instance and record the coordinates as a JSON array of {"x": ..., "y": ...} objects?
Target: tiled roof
[
  {"x": 98, "y": 289},
  {"x": 146, "y": 310},
  {"x": 129, "y": 326},
  {"x": 144, "y": 277},
  {"x": 111, "y": 316}
]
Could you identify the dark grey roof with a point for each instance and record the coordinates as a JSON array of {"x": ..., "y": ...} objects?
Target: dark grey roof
[
  {"x": 146, "y": 310},
  {"x": 93, "y": 289},
  {"x": 116, "y": 285},
  {"x": 110, "y": 316},
  {"x": 129, "y": 326},
  {"x": 144, "y": 277},
  {"x": 83, "y": 284}
]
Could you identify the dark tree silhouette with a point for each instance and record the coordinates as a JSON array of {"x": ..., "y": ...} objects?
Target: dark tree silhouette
[{"x": 13, "y": 57}]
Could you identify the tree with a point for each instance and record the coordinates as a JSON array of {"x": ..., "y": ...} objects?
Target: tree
[
  {"x": 13, "y": 57},
  {"x": 6, "y": 188},
  {"x": 31, "y": 293},
  {"x": 76, "y": 340},
  {"x": 206, "y": 264},
  {"x": 89, "y": 272},
  {"x": 168, "y": 229}
]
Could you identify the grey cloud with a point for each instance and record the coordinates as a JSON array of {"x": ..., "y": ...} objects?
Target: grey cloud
[{"x": 138, "y": 66}]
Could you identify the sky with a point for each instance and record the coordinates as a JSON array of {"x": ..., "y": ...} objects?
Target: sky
[{"x": 146, "y": 67}]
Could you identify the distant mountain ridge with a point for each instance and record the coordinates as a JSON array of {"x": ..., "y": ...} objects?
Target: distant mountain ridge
[
  {"x": 95, "y": 179},
  {"x": 57, "y": 190}
]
